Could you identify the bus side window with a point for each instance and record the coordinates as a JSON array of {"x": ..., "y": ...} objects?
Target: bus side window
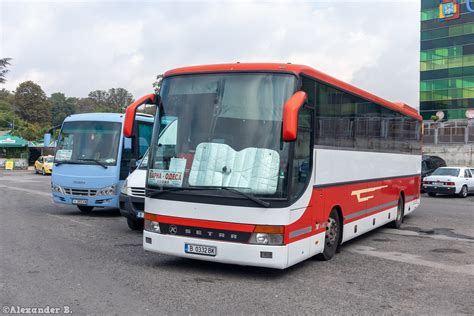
[
  {"x": 126, "y": 156},
  {"x": 301, "y": 166},
  {"x": 145, "y": 130}
]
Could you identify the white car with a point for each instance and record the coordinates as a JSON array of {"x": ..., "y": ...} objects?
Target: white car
[
  {"x": 132, "y": 196},
  {"x": 450, "y": 180}
]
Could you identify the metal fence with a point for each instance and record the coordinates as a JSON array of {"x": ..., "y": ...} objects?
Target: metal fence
[{"x": 454, "y": 134}]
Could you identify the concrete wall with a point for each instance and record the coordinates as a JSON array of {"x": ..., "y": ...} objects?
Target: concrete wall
[
  {"x": 453, "y": 154},
  {"x": 19, "y": 163}
]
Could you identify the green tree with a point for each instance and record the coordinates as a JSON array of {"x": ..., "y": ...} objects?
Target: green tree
[
  {"x": 85, "y": 105},
  {"x": 61, "y": 107},
  {"x": 100, "y": 97},
  {"x": 31, "y": 103},
  {"x": 119, "y": 99},
  {"x": 4, "y": 63},
  {"x": 157, "y": 83},
  {"x": 6, "y": 101}
]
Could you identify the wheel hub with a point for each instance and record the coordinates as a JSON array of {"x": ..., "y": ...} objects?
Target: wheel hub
[{"x": 331, "y": 231}]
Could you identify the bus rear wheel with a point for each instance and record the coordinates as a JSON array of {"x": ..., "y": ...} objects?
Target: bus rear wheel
[
  {"x": 85, "y": 209},
  {"x": 400, "y": 214},
  {"x": 333, "y": 236}
]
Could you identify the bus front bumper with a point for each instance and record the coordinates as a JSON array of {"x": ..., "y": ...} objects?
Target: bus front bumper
[
  {"x": 226, "y": 252},
  {"x": 95, "y": 201},
  {"x": 131, "y": 206}
]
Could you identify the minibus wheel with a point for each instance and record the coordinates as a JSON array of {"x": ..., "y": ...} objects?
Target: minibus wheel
[
  {"x": 333, "y": 236},
  {"x": 85, "y": 209},
  {"x": 135, "y": 224}
]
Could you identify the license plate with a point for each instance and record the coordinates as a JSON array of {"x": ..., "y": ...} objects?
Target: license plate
[
  {"x": 200, "y": 250},
  {"x": 139, "y": 214},
  {"x": 79, "y": 202}
]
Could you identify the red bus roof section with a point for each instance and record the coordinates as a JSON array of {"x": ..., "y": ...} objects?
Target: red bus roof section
[{"x": 297, "y": 70}]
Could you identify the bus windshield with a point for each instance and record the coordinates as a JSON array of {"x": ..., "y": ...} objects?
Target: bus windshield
[
  {"x": 89, "y": 142},
  {"x": 222, "y": 131}
]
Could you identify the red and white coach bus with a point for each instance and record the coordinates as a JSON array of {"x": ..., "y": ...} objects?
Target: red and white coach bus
[{"x": 270, "y": 164}]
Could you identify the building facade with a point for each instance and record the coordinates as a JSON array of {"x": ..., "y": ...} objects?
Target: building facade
[{"x": 447, "y": 59}]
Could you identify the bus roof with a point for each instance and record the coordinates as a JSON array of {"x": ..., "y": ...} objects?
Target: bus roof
[
  {"x": 298, "y": 70},
  {"x": 109, "y": 117}
]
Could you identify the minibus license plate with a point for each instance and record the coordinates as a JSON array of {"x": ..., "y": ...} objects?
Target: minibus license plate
[
  {"x": 79, "y": 202},
  {"x": 200, "y": 250}
]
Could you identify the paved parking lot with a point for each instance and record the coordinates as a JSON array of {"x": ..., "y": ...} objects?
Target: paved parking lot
[{"x": 54, "y": 255}]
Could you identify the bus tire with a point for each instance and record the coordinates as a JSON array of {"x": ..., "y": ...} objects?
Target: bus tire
[
  {"x": 400, "y": 214},
  {"x": 432, "y": 194},
  {"x": 333, "y": 236},
  {"x": 463, "y": 192},
  {"x": 135, "y": 224},
  {"x": 85, "y": 209}
]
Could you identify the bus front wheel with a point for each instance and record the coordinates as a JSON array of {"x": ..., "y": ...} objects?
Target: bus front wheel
[
  {"x": 333, "y": 236},
  {"x": 85, "y": 209}
]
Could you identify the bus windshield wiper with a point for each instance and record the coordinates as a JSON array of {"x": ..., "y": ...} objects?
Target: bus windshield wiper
[
  {"x": 154, "y": 192},
  {"x": 96, "y": 161},
  {"x": 248, "y": 196},
  {"x": 72, "y": 162}
]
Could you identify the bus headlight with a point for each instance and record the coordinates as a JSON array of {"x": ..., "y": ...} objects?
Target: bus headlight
[
  {"x": 267, "y": 235},
  {"x": 124, "y": 189},
  {"x": 110, "y": 190},
  {"x": 151, "y": 226},
  {"x": 56, "y": 188},
  {"x": 266, "y": 239}
]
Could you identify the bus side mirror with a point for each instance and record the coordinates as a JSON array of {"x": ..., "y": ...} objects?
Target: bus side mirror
[
  {"x": 290, "y": 115},
  {"x": 131, "y": 111}
]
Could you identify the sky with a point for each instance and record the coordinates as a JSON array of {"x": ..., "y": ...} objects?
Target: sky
[{"x": 76, "y": 47}]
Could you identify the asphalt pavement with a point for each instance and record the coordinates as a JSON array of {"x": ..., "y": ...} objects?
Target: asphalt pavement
[{"x": 53, "y": 255}]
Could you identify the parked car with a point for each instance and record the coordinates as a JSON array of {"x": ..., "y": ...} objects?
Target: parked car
[
  {"x": 44, "y": 165},
  {"x": 430, "y": 164},
  {"x": 132, "y": 196},
  {"x": 449, "y": 180}
]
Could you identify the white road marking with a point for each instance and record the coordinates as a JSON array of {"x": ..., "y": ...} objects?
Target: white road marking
[
  {"x": 70, "y": 219},
  {"x": 418, "y": 234},
  {"x": 26, "y": 190},
  {"x": 411, "y": 259}
]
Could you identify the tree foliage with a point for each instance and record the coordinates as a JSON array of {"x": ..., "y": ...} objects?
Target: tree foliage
[
  {"x": 61, "y": 107},
  {"x": 28, "y": 112},
  {"x": 119, "y": 99},
  {"x": 31, "y": 103},
  {"x": 113, "y": 100},
  {"x": 157, "y": 83},
  {"x": 4, "y": 63}
]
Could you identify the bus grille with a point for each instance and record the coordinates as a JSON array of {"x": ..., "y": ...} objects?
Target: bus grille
[
  {"x": 137, "y": 191},
  {"x": 80, "y": 192}
]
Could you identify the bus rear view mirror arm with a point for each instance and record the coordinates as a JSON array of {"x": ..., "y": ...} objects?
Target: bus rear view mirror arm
[
  {"x": 290, "y": 115},
  {"x": 132, "y": 110}
]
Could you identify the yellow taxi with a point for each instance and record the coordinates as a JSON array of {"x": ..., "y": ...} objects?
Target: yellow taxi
[{"x": 44, "y": 165}]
